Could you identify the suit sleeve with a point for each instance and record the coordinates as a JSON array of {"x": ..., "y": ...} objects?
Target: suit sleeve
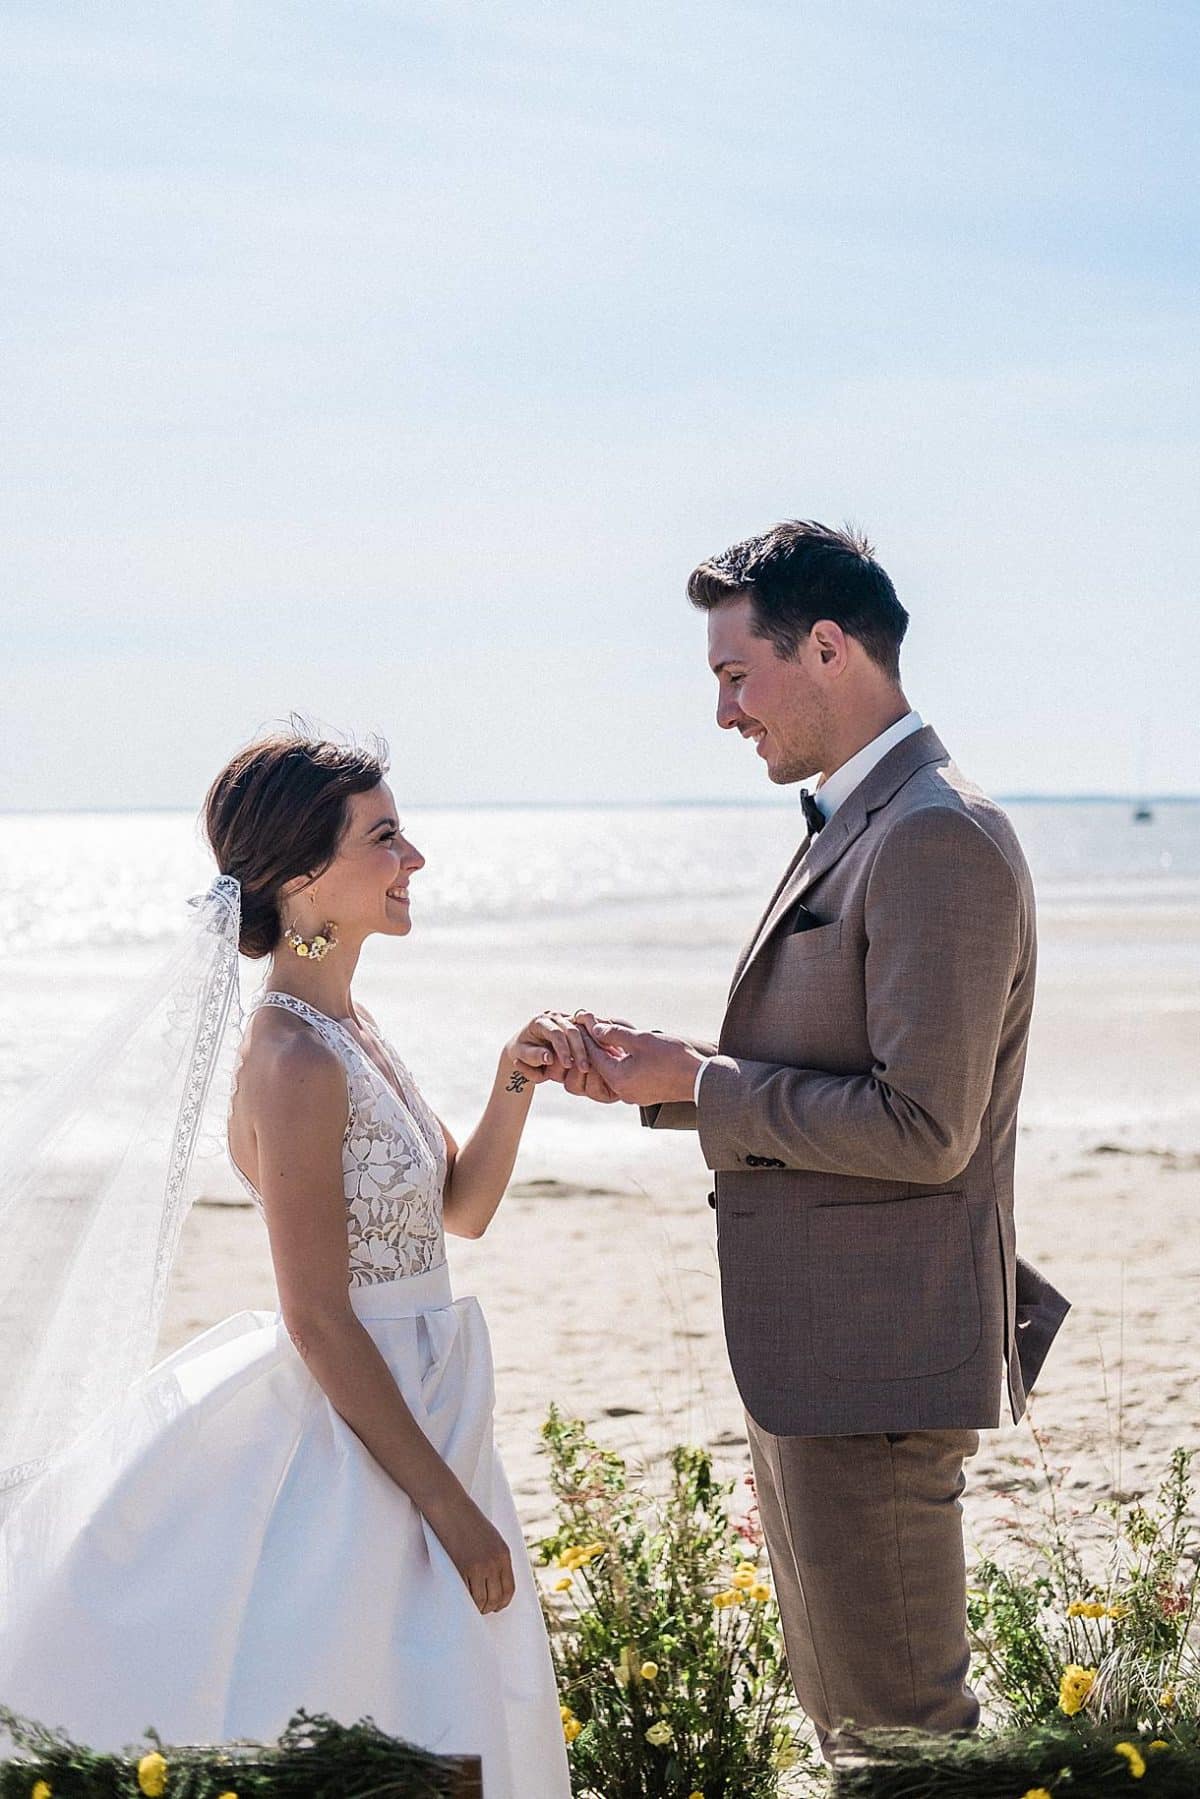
[
  {"x": 944, "y": 920},
  {"x": 677, "y": 1115}
]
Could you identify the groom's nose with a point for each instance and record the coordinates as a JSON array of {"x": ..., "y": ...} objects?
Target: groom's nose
[{"x": 729, "y": 713}]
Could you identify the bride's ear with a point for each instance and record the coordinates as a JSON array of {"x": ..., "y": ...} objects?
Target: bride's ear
[{"x": 297, "y": 884}]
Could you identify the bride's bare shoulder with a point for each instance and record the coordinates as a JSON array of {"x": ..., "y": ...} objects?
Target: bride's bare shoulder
[{"x": 286, "y": 1066}]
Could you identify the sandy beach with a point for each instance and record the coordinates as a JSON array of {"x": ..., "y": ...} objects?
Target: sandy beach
[{"x": 599, "y": 1275}]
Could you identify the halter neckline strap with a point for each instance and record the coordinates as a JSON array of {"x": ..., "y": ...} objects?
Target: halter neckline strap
[{"x": 268, "y": 994}]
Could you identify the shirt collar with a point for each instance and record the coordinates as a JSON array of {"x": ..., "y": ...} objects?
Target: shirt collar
[{"x": 842, "y": 783}]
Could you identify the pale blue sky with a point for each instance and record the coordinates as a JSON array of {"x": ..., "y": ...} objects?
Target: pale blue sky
[{"x": 395, "y": 362}]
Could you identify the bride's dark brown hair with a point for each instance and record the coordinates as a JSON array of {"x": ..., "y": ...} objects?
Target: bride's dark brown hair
[{"x": 278, "y": 810}]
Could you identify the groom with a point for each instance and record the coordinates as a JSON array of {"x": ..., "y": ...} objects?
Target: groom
[{"x": 860, "y": 1115}]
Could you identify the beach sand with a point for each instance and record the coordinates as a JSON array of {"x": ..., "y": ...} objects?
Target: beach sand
[{"x": 599, "y": 1276}]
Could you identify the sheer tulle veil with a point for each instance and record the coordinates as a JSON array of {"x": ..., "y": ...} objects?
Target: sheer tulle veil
[{"x": 98, "y": 1169}]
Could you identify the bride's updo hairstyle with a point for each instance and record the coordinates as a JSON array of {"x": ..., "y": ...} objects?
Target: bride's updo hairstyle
[{"x": 279, "y": 810}]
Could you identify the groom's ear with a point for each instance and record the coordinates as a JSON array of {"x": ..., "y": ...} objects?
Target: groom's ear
[{"x": 829, "y": 642}]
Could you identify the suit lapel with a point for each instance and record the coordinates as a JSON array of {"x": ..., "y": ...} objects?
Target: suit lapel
[
  {"x": 752, "y": 941},
  {"x": 816, "y": 857}
]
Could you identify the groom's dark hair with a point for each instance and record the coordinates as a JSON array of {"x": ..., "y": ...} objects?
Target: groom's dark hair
[{"x": 801, "y": 571}]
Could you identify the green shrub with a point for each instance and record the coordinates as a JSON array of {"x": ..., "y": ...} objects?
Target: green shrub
[
  {"x": 664, "y": 1632},
  {"x": 1113, "y": 1641}
]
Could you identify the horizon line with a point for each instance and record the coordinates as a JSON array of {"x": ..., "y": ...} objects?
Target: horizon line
[{"x": 562, "y": 805}]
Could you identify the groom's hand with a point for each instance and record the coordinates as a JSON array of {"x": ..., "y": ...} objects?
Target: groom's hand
[{"x": 643, "y": 1068}]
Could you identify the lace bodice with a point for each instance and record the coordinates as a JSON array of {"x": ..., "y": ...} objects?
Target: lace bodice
[{"x": 393, "y": 1159}]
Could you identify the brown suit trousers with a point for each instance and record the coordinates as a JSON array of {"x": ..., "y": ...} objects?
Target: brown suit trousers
[{"x": 865, "y": 1539}]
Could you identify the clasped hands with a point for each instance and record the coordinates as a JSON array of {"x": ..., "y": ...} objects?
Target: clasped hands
[{"x": 605, "y": 1059}]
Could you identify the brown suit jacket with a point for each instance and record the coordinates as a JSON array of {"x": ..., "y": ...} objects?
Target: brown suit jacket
[{"x": 861, "y": 1119}]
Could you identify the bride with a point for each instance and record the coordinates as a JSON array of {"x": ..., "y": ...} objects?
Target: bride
[{"x": 307, "y": 1509}]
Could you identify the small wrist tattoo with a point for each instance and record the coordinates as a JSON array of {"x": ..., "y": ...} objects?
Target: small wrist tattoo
[{"x": 517, "y": 1082}]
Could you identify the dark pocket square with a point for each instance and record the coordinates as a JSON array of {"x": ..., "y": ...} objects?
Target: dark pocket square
[{"x": 804, "y": 920}]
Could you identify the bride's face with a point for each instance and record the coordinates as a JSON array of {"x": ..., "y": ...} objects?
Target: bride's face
[{"x": 365, "y": 888}]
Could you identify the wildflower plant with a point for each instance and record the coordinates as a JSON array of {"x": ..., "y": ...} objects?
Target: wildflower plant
[
  {"x": 1116, "y": 1644},
  {"x": 665, "y": 1632}
]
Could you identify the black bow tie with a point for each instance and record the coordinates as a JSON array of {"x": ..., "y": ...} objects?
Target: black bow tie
[{"x": 814, "y": 818}]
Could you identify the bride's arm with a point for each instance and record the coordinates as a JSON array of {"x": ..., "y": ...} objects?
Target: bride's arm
[
  {"x": 480, "y": 1170},
  {"x": 297, "y": 1099}
]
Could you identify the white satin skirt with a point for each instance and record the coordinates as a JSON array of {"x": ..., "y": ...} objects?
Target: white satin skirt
[{"x": 220, "y": 1550}]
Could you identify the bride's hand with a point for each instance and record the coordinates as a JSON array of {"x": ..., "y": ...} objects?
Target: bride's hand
[
  {"x": 549, "y": 1048},
  {"x": 478, "y": 1551}
]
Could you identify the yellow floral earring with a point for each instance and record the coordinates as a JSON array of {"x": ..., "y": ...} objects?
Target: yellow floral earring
[{"x": 312, "y": 949}]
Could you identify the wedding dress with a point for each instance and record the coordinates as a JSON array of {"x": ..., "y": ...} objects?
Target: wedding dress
[{"x": 225, "y": 1548}]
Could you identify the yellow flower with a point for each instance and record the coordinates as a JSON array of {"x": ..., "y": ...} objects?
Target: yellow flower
[
  {"x": 697, "y": 1794},
  {"x": 571, "y": 1729},
  {"x": 565, "y": 1713},
  {"x": 744, "y": 1578},
  {"x": 1133, "y": 1755},
  {"x": 723, "y": 1600},
  {"x": 227, "y": 1796},
  {"x": 152, "y": 1775},
  {"x": 649, "y": 1670},
  {"x": 1167, "y": 1698},
  {"x": 41, "y": 1790},
  {"x": 1037, "y": 1793},
  {"x": 1074, "y": 1687},
  {"x": 1087, "y": 1608},
  {"x": 1118, "y": 1611},
  {"x": 760, "y": 1591},
  {"x": 580, "y": 1556},
  {"x": 563, "y": 1585},
  {"x": 659, "y": 1734},
  {"x": 1159, "y": 1743}
]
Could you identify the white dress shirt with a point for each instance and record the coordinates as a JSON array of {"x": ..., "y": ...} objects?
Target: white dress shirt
[{"x": 834, "y": 792}]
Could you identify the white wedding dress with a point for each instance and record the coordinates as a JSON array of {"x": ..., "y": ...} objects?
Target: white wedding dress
[{"x": 226, "y": 1550}]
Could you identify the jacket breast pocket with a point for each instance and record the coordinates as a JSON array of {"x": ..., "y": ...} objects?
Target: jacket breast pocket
[
  {"x": 801, "y": 946},
  {"x": 893, "y": 1291}
]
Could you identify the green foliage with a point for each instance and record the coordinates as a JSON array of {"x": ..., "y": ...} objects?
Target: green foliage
[
  {"x": 666, "y": 1638},
  {"x": 316, "y": 1758},
  {"x": 1131, "y": 1625},
  {"x": 1081, "y": 1761}
]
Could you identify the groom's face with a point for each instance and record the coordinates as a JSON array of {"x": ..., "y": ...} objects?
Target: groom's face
[{"x": 778, "y": 703}]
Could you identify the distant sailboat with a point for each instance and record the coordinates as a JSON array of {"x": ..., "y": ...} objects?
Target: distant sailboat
[{"x": 1143, "y": 812}]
